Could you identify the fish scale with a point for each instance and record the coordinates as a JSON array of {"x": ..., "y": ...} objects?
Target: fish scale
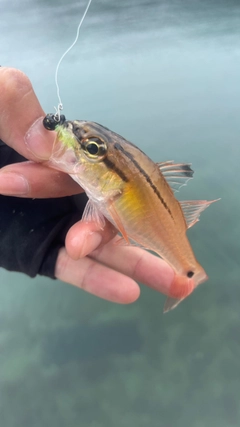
[{"x": 125, "y": 186}]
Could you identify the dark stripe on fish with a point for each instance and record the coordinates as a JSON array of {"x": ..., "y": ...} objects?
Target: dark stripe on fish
[
  {"x": 118, "y": 171},
  {"x": 146, "y": 176}
]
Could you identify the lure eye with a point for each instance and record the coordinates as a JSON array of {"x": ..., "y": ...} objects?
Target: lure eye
[{"x": 94, "y": 148}]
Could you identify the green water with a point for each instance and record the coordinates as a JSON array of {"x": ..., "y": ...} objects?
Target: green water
[{"x": 165, "y": 75}]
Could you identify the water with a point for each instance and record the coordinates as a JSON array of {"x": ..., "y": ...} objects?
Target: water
[{"x": 164, "y": 74}]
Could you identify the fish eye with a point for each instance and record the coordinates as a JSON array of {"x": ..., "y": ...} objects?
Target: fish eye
[{"x": 94, "y": 148}]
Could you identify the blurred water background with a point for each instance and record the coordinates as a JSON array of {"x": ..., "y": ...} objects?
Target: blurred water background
[{"x": 165, "y": 75}]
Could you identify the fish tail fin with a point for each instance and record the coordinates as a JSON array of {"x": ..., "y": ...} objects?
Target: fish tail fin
[
  {"x": 171, "y": 303},
  {"x": 200, "y": 276},
  {"x": 183, "y": 286}
]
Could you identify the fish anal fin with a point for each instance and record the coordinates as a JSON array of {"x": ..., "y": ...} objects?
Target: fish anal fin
[
  {"x": 176, "y": 174},
  {"x": 193, "y": 208},
  {"x": 92, "y": 214}
]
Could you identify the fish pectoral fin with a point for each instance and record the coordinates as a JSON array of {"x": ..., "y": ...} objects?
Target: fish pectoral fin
[
  {"x": 92, "y": 214},
  {"x": 171, "y": 303},
  {"x": 117, "y": 220},
  {"x": 193, "y": 208},
  {"x": 176, "y": 174}
]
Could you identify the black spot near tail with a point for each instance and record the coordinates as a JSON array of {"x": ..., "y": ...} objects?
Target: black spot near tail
[{"x": 190, "y": 274}]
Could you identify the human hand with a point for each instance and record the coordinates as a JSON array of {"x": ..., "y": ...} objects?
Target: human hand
[{"x": 90, "y": 259}]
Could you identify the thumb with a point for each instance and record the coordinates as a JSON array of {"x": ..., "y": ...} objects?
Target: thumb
[{"x": 21, "y": 117}]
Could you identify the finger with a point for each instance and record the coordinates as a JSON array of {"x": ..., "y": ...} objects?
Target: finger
[
  {"x": 136, "y": 263},
  {"x": 21, "y": 117},
  {"x": 96, "y": 279},
  {"x": 29, "y": 179},
  {"x": 84, "y": 237}
]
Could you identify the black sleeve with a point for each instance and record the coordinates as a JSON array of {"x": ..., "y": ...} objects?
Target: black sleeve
[{"x": 33, "y": 230}]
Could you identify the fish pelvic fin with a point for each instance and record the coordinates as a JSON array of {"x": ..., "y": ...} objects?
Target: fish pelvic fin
[
  {"x": 118, "y": 222},
  {"x": 193, "y": 208}
]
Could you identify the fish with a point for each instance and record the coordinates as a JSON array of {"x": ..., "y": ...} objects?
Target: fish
[{"x": 136, "y": 195}]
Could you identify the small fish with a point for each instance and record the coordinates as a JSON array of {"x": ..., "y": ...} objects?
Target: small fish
[{"x": 135, "y": 194}]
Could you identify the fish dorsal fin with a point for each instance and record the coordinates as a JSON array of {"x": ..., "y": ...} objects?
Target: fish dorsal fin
[
  {"x": 176, "y": 174},
  {"x": 193, "y": 208}
]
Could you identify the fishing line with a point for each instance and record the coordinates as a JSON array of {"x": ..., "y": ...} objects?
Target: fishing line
[{"x": 59, "y": 108}]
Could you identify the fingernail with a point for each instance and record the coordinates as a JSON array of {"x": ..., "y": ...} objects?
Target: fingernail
[
  {"x": 12, "y": 184},
  {"x": 39, "y": 140}
]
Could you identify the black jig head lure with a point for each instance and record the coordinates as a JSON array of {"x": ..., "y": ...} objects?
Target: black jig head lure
[{"x": 51, "y": 121}]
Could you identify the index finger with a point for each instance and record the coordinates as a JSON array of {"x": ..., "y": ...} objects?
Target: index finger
[
  {"x": 21, "y": 117},
  {"x": 137, "y": 263}
]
